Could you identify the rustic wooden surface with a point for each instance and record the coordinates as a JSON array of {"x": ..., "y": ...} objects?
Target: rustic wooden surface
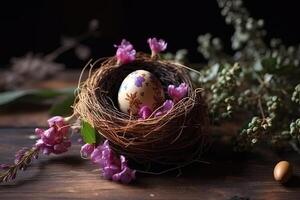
[{"x": 67, "y": 176}]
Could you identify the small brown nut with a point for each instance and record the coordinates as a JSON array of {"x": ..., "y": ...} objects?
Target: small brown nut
[{"x": 283, "y": 171}]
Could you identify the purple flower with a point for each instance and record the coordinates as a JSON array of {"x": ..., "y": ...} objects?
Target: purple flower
[
  {"x": 86, "y": 150},
  {"x": 61, "y": 147},
  {"x": 54, "y": 139},
  {"x": 56, "y": 120},
  {"x": 139, "y": 81},
  {"x": 20, "y": 154},
  {"x": 113, "y": 167},
  {"x": 157, "y": 46},
  {"x": 59, "y": 123},
  {"x": 166, "y": 107},
  {"x": 51, "y": 136},
  {"x": 103, "y": 155},
  {"x": 4, "y": 167},
  {"x": 110, "y": 170},
  {"x": 126, "y": 175},
  {"x": 177, "y": 93},
  {"x": 125, "y": 52},
  {"x": 39, "y": 132},
  {"x": 96, "y": 155},
  {"x": 145, "y": 112},
  {"x": 47, "y": 149}
]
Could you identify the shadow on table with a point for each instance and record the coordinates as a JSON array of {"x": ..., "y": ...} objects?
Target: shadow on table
[
  {"x": 30, "y": 176},
  {"x": 294, "y": 182},
  {"x": 217, "y": 162}
]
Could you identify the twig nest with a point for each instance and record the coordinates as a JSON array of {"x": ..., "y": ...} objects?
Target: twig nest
[{"x": 175, "y": 137}]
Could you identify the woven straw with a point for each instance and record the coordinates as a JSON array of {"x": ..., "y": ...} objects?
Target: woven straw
[{"x": 176, "y": 137}]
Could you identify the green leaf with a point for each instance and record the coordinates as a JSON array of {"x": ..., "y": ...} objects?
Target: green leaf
[
  {"x": 88, "y": 133},
  {"x": 63, "y": 107},
  {"x": 32, "y": 95},
  {"x": 7, "y": 97}
]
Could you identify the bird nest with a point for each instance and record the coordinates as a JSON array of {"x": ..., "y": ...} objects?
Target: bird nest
[{"x": 175, "y": 137}]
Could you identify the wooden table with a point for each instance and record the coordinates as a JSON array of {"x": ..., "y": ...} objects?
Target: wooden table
[{"x": 67, "y": 176}]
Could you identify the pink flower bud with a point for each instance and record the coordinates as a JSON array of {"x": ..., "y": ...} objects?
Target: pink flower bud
[
  {"x": 60, "y": 148},
  {"x": 110, "y": 170},
  {"x": 125, "y": 52},
  {"x": 87, "y": 150},
  {"x": 114, "y": 167},
  {"x": 157, "y": 46},
  {"x": 125, "y": 176},
  {"x": 51, "y": 136},
  {"x": 178, "y": 93},
  {"x": 167, "y": 106},
  {"x": 59, "y": 123},
  {"x": 145, "y": 112},
  {"x": 54, "y": 139},
  {"x": 39, "y": 132}
]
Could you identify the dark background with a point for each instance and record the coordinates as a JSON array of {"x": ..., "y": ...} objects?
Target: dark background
[{"x": 37, "y": 26}]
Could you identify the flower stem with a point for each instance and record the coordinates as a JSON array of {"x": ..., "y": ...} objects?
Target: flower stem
[{"x": 22, "y": 164}]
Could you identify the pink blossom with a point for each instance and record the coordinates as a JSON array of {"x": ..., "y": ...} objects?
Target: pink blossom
[
  {"x": 157, "y": 46},
  {"x": 39, "y": 132},
  {"x": 145, "y": 112},
  {"x": 178, "y": 93},
  {"x": 54, "y": 139},
  {"x": 86, "y": 150},
  {"x": 59, "y": 123},
  {"x": 61, "y": 147},
  {"x": 166, "y": 107},
  {"x": 51, "y": 136},
  {"x": 47, "y": 149},
  {"x": 113, "y": 167},
  {"x": 20, "y": 154},
  {"x": 126, "y": 174},
  {"x": 125, "y": 52}
]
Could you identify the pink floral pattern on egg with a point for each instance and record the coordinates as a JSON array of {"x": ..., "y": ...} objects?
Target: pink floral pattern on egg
[{"x": 140, "y": 88}]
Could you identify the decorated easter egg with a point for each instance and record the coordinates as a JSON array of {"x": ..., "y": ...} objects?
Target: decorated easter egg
[{"x": 140, "y": 88}]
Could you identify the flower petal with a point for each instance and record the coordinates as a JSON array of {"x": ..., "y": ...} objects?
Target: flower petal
[
  {"x": 145, "y": 112},
  {"x": 125, "y": 52},
  {"x": 86, "y": 150},
  {"x": 178, "y": 93},
  {"x": 157, "y": 46}
]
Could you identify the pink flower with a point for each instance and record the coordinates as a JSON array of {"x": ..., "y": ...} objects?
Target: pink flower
[
  {"x": 47, "y": 149},
  {"x": 54, "y": 139},
  {"x": 145, "y": 112},
  {"x": 61, "y": 147},
  {"x": 86, "y": 150},
  {"x": 125, "y": 52},
  {"x": 20, "y": 154},
  {"x": 167, "y": 106},
  {"x": 113, "y": 167},
  {"x": 59, "y": 123},
  {"x": 126, "y": 175},
  {"x": 110, "y": 170},
  {"x": 178, "y": 93},
  {"x": 157, "y": 46}
]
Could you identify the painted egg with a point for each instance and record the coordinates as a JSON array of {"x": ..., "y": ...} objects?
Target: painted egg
[{"x": 140, "y": 88}]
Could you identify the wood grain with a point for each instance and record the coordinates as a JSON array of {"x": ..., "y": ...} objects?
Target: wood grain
[{"x": 69, "y": 177}]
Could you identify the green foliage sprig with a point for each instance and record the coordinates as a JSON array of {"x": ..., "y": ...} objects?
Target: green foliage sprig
[
  {"x": 259, "y": 81},
  {"x": 223, "y": 92}
]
